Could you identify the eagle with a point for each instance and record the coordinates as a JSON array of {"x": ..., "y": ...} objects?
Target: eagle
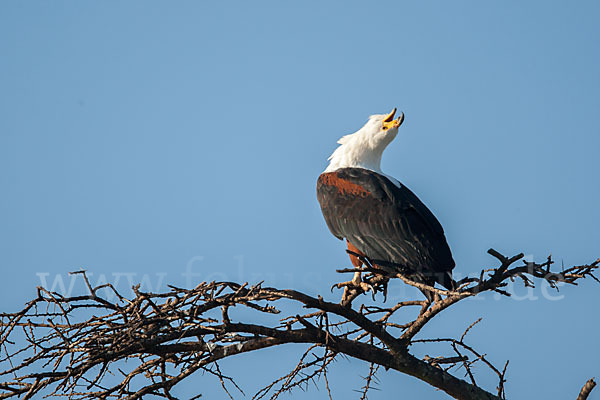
[{"x": 382, "y": 221}]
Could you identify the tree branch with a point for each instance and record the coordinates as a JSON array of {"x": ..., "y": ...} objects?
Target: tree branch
[
  {"x": 65, "y": 346},
  {"x": 586, "y": 389}
]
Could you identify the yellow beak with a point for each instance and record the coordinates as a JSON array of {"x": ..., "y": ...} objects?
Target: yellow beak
[{"x": 389, "y": 122}]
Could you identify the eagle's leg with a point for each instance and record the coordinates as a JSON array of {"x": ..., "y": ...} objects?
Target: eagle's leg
[
  {"x": 356, "y": 286},
  {"x": 373, "y": 282}
]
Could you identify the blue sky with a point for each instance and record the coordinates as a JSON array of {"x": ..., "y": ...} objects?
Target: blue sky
[{"x": 141, "y": 140}]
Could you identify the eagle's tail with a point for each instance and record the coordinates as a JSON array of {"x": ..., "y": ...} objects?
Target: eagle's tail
[
  {"x": 446, "y": 280},
  {"x": 430, "y": 279}
]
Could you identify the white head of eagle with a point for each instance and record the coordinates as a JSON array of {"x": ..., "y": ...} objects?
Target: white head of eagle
[
  {"x": 365, "y": 147},
  {"x": 381, "y": 220}
]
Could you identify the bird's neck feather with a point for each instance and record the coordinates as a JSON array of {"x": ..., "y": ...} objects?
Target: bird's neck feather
[{"x": 357, "y": 152}]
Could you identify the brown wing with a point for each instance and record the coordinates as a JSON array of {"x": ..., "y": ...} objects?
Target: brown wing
[{"x": 384, "y": 221}]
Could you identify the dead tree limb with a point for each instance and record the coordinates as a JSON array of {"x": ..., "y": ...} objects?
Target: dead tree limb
[
  {"x": 67, "y": 346},
  {"x": 586, "y": 389}
]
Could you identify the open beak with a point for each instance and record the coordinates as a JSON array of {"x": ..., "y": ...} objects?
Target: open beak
[{"x": 389, "y": 122}]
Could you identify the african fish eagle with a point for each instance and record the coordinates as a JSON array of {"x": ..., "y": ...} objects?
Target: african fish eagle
[{"x": 380, "y": 218}]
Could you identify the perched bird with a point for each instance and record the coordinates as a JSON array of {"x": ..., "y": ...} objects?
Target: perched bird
[{"x": 380, "y": 218}]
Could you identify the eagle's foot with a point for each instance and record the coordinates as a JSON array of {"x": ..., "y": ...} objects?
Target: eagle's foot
[
  {"x": 354, "y": 288},
  {"x": 379, "y": 283}
]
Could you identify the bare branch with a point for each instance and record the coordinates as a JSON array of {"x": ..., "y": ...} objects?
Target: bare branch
[
  {"x": 66, "y": 346},
  {"x": 586, "y": 389}
]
